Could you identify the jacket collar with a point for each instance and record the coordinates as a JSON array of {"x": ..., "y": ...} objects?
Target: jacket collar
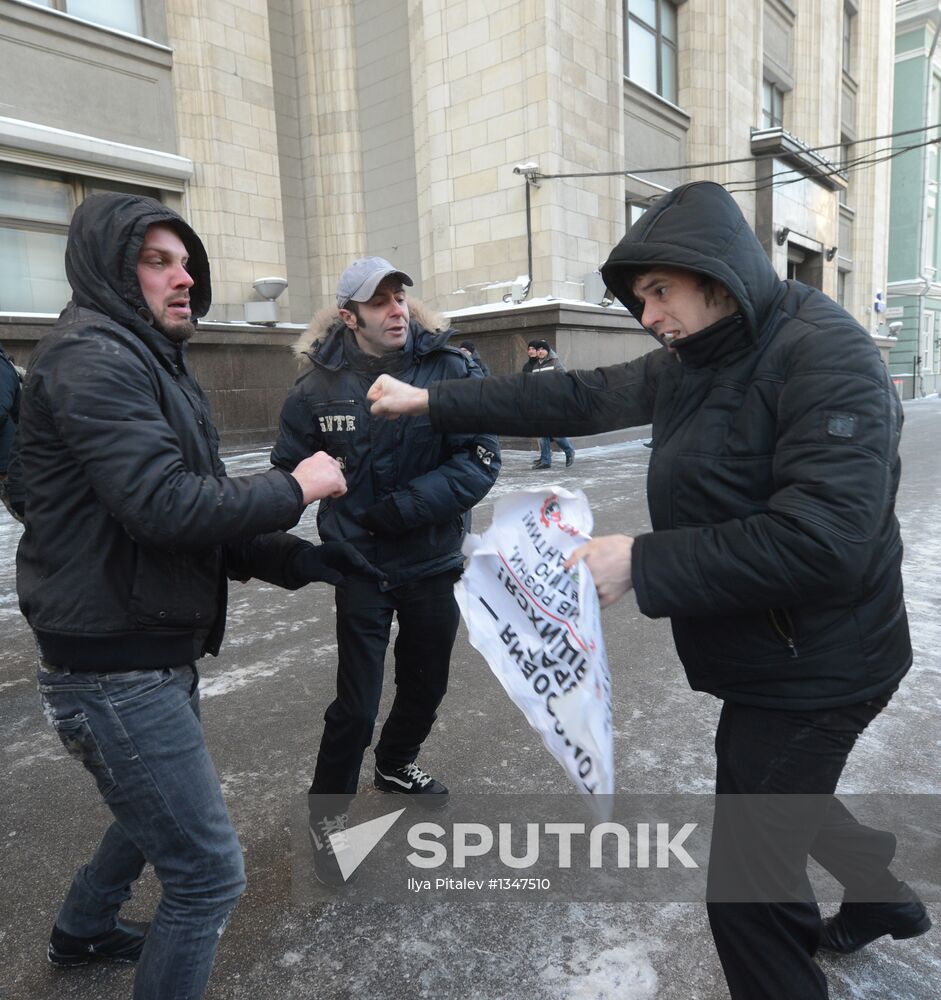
[{"x": 716, "y": 345}]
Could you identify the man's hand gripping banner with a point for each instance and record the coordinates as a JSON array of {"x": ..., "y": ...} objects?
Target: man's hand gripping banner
[{"x": 538, "y": 626}]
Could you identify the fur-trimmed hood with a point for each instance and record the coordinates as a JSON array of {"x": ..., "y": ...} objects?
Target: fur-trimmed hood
[{"x": 326, "y": 320}]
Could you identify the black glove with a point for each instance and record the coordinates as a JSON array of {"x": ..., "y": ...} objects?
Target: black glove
[
  {"x": 383, "y": 519},
  {"x": 331, "y": 562}
]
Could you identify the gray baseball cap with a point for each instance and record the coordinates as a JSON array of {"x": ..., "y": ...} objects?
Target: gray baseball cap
[{"x": 358, "y": 283}]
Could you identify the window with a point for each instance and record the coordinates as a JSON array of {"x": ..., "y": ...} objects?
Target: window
[
  {"x": 931, "y": 249},
  {"x": 125, "y": 15},
  {"x": 650, "y": 45},
  {"x": 849, "y": 18},
  {"x": 772, "y": 105},
  {"x": 842, "y": 287},
  {"x": 35, "y": 210},
  {"x": 635, "y": 209},
  {"x": 846, "y": 156}
]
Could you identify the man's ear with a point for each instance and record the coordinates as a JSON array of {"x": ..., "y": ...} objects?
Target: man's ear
[{"x": 348, "y": 318}]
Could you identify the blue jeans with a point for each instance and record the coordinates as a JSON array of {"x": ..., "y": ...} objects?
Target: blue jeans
[
  {"x": 545, "y": 449},
  {"x": 139, "y": 735}
]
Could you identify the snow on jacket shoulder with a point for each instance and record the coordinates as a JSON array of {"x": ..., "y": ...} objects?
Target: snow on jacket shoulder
[
  {"x": 410, "y": 488},
  {"x": 123, "y": 560},
  {"x": 773, "y": 473}
]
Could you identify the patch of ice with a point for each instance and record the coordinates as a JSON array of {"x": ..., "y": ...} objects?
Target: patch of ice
[
  {"x": 620, "y": 971},
  {"x": 233, "y": 680}
]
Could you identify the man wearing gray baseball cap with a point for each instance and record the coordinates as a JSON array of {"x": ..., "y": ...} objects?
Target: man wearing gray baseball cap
[
  {"x": 358, "y": 283},
  {"x": 410, "y": 492}
]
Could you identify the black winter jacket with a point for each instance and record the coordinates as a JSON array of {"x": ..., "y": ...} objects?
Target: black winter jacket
[
  {"x": 410, "y": 489},
  {"x": 9, "y": 407},
  {"x": 551, "y": 364},
  {"x": 772, "y": 481},
  {"x": 131, "y": 521}
]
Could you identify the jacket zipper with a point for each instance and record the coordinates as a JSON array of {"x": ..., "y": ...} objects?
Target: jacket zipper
[{"x": 786, "y": 632}]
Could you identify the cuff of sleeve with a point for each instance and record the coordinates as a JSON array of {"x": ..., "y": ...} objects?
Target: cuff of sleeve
[
  {"x": 296, "y": 486},
  {"x": 638, "y": 581}
]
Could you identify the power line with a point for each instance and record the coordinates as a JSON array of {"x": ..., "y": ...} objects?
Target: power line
[
  {"x": 860, "y": 163},
  {"x": 742, "y": 159}
]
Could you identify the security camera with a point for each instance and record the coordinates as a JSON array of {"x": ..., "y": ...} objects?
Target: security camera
[
  {"x": 525, "y": 168},
  {"x": 270, "y": 288},
  {"x": 895, "y": 326}
]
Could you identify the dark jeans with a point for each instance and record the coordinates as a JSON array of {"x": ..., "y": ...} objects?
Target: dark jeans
[
  {"x": 760, "y": 846},
  {"x": 138, "y": 734},
  {"x": 428, "y": 618}
]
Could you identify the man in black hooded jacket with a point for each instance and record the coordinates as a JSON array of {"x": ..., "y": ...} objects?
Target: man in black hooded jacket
[
  {"x": 132, "y": 528},
  {"x": 775, "y": 553}
]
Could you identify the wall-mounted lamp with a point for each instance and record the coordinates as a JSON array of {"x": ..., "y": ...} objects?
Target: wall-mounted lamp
[
  {"x": 830, "y": 252},
  {"x": 265, "y": 312},
  {"x": 781, "y": 235}
]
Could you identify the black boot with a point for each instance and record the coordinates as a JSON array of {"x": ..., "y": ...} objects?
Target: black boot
[
  {"x": 122, "y": 944},
  {"x": 856, "y": 924}
]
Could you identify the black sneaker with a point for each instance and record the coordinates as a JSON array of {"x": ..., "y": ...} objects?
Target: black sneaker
[
  {"x": 410, "y": 779},
  {"x": 122, "y": 944},
  {"x": 326, "y": 867},
  {"x": 541, "y": 465},
  {"x": 570, "y": 460}
]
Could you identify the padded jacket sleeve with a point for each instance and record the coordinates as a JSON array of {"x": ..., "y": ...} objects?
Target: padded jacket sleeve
[
  {"x": 444, "y": 492},
  {"x": 106, "y": 407},
  {"x": 567, "y": 404}
]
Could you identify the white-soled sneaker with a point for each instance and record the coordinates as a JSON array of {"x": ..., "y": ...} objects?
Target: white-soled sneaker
[{"x": 410, "y": 779}]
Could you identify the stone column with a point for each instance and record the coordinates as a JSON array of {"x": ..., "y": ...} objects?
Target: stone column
[{"x": 226, "y": 126}]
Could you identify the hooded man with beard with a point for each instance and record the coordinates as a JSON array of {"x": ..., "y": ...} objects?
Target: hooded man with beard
[{"x": 132, "y": 529}]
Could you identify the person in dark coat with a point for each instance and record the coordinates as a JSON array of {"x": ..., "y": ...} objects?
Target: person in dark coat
[
  {"x": 470, "y": 351},
  {"x": 775, "y": 552},
  {"x": 407, "y": 511},
  {"x": 9, "y": 417},
  {"x": 132, "y": 529},
  {"x": 543, "y": 359}
]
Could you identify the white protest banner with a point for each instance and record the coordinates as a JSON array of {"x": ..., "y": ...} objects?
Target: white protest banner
[{"x": 538, "y": 626}]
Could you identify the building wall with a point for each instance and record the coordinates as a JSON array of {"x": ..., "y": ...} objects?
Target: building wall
[
  {"x": 224, "y": 96},
  {"x": 118, "y": 88},
  {"x": 297, "y": 136},
  {"x": 384, "y": 89},
  {"x": 914, "y": 289}
]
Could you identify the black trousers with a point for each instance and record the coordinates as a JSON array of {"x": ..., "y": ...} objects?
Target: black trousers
[
  {"x": 428, "y": 617},
  {"x": 760, "y": 846}
]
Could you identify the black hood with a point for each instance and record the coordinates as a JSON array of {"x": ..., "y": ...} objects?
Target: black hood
[
  {"x": 105, "y": 238},
  {"x": 698, "y": 227}
]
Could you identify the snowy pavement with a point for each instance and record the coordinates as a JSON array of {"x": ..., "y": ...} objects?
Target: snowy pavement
[{"x": 263, "y": 702}]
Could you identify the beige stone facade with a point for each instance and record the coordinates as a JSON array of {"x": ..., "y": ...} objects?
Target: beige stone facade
[
  {"x": 394, "y": 126},
  {"x": 314, "y": 132}
]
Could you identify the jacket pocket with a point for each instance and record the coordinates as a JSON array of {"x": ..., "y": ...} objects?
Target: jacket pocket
[{"x": 176, "y": 589}]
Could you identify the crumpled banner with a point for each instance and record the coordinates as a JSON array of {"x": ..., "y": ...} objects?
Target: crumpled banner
[{"x": 538, "y": 625}]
